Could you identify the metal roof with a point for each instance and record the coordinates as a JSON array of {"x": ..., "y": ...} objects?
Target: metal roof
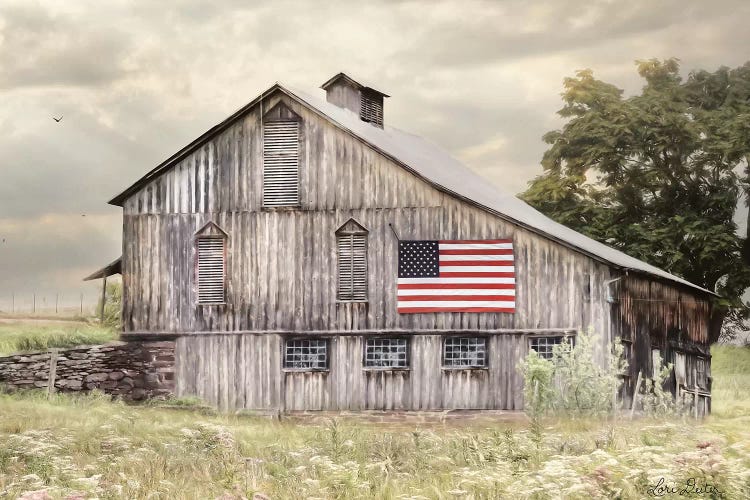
[{"x": 440, "y": 169}]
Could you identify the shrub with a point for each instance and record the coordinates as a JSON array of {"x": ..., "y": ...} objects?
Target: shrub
[
  {"x": 657, "y": 402},
  {"x": 572, "y": 382},
  {"x": 113, "y": 306}
]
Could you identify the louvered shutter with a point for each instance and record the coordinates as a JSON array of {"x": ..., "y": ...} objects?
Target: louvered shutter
[
  {"x": 281, "y": 163},
  {"x": 352, "y": 249},
  {"x": 210, "y": 270},
  {"x": 371, "y": 110}
]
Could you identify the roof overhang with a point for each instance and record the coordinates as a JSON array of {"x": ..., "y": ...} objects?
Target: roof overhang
[
  {"x": 114, "y": 267},
  {"x": 119, "y": 200},
  {"x": 351, "y": 81}
]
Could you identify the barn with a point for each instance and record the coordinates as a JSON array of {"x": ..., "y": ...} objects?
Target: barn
[{"x": 302, "y": 255}]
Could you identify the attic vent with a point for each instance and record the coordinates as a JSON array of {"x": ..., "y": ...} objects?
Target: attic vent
[
  {"x": 210, "y": 270},
  {"x": 352, "y": 249},
  {"x": 281, "y": 163},
  {"x": 371, "y": 108}
]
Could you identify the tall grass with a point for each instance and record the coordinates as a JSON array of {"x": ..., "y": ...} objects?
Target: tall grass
[
  {"x": 25, "y": 336},
  {"x": 730, "y": 368},
  {"x": 99, "y": 448}
]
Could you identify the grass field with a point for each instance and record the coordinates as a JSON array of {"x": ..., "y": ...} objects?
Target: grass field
[
  {"x": 93, "y": 447},
  {"x": 30, "y": 335}
]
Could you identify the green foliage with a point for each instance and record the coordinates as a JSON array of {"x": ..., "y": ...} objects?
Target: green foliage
[
  {"x": 656, "y": 174},
  {"x": 37, "y": 336},
  {"x": 113, "y": 307},
  {"x": 538, "y": 391},
  {"x": 657, "y": 402},
  {"x": 572, "y": 382},
  {"x": 730, "y": 368}
]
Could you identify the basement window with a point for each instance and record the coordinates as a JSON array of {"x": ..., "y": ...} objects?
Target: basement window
[
  {"x": 281, "y": 164},
  {"x": 544, "y": 345},
  {"x": 386, "y": 353},
  {"x": 306, "y": 354},
  {"x": 211, "y": 269},
  {"x": 465, "y": 352}
]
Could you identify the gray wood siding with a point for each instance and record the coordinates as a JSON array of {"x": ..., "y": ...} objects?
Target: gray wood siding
[
  {"x": 281, "y": 274},
  {"x": 244, "y": 371},
  {"x": 281, "y": 265}
]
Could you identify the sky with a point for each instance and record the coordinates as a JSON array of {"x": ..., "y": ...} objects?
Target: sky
[{"x": 137, "y": 80}]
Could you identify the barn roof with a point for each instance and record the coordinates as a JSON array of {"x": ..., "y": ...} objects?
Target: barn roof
[
  {"x": 352, "y": 81},
  {"x": 114, "y": 267},
  {"x": 440, "y": 169}
]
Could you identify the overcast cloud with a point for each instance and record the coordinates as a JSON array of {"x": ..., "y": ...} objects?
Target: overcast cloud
[{"x": 136, "y": 81}]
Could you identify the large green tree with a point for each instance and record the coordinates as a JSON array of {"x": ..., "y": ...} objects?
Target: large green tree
[{"x": 657, "y": 175}]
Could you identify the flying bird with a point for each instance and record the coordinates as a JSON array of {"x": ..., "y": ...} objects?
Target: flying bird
[{"x": 57, "y": 119}]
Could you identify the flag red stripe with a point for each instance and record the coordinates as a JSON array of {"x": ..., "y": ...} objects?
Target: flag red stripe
[
  {"x": 477, "y": 275},
  {"x": 457, "y": 286},
  {"x": 476, "y": 262},
  {"x": 486, "y": 298},
  {"x": 457, "y": 309},
  {"x": 473, "y": 242},
  {"x": 489, "y": 251}
]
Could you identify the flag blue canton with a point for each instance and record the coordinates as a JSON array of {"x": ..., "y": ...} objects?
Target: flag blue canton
[{"x": 418, "y": 259}]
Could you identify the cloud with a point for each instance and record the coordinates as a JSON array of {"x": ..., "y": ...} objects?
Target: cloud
[
  {"x": 44, "y": 49},
  {"x": 138, "y": 80}
]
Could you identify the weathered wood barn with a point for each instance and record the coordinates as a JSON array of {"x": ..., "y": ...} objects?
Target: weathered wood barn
[{"x": 275, "y": 249}]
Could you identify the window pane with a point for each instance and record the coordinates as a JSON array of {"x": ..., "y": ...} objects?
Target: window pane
[
  {"x": 306, "y": 354},
  {"x": 465, "y": 351},
  {"x": 386, "y": 353},
  {"x": 543, "y": 345}
]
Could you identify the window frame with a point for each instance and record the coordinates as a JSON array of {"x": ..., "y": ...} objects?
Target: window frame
[
  {"x": 562, "y": 338},
  {"x": 407, "y": 365},
  {"x": 284, "y": 354},
  {"x": 446, "y": 366}
]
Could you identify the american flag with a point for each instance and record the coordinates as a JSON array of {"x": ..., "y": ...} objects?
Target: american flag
[{"x": 456, "y": 275}]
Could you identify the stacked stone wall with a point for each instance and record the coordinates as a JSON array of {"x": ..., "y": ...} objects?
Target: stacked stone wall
[{"x": 133, "y": 370}]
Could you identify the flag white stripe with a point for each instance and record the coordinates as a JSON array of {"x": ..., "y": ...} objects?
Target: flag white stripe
[
  {"x": 423, "y": 281},
  {"x": 475, "y": 246},
  {"x": 451, "y": 291},
  {"x": 475, "y": 257},
  {"x": 477, "y": 269},
  {"x": 457, "y": 303}
]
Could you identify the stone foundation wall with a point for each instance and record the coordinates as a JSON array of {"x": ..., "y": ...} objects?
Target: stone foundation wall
[{"x": 133, "y": 370}]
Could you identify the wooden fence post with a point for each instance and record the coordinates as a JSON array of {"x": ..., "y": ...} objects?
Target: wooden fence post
[{"x": 52, "y": 371}]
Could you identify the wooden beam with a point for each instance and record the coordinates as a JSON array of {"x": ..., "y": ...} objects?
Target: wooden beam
[
  {"x": 313, "y": 333},
  {"x": 104, "y": 298}
]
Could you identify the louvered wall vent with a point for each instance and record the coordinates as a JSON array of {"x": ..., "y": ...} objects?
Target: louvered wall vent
[
  {"x": 371, "y": 108},
  {"x": 352, "y": 249},
  {"x": 281, "y": 164},
  {"x": 211, "y": 270}
]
